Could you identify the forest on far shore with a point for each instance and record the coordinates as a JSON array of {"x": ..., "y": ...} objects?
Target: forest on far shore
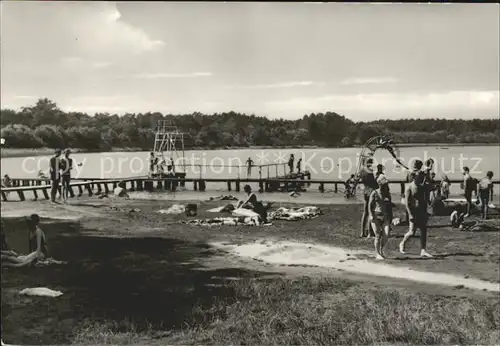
[{"x": 45, "y": 125}]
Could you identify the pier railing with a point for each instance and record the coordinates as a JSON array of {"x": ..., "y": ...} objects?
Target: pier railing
[
  {"x": 100, "y": 186},
  {"x": 264, "y": 171}
]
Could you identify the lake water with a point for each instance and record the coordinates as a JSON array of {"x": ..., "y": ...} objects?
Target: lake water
[{"x": 333, "y": 164}]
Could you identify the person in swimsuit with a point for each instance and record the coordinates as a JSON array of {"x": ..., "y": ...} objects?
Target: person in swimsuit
[
  {"x": 37, "y": 246},
  {"x": 379, "y": 216},
  {"x": 249, "y": 163},
  {"x": 290, "y": 163},
  {"x": 444, "y": 189},
  {"x": 299, "y": 165},
  {"x": 470, "y": 187},
  {"x": 252, "y": 203},
  {"x": 153, "y": 162},
  {"x": 416, "y": 206},
  {"x": 367, "y": 178},
  {"x": 485, "y": 193}
]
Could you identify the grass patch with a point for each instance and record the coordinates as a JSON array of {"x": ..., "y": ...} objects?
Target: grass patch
[{"x": 310, "y": 311}]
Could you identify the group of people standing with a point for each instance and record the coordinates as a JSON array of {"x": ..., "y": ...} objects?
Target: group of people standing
[
  {"x": 60, "y": 172},
  {"x": 421, "y": 189},
  {"x": 157, "y": 165}
]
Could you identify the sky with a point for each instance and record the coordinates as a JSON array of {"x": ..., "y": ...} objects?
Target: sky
[{"x": 279, "y": 60}]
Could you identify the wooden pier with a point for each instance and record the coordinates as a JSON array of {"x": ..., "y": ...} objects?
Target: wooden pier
[{"x": 98, "y": 186}]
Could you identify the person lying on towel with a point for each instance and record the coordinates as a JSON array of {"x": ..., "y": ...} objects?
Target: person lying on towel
[{"x": 252, "y": 203}]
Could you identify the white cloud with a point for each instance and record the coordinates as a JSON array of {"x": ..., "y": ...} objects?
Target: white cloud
[
  {"x": 276, "y": 85},
  {"x": 100, "y": 28},
  {"x": 453, "y": 100},
  {"x": 172, "y": 75},
  {"x": 384, "y": 80}
]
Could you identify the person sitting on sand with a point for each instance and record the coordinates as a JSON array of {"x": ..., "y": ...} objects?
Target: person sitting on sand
[
  {"x": 120, "y": 190},
  {"x": 252, "y": 203},
  {"x": 6, "y": 182},
  {"x": 416, "y": 207},
  {"x": 485, "y": 193},
  {"x": 349, "y": 185},
  {"x": 37, "y": 246},
  {"x": 379, "y": 215}
]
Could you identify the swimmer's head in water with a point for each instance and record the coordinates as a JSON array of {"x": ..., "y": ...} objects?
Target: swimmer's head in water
[
  {"x": 247, "y": 189},
  {"x": 57, "y": 152},
  {"x": 67, "y": 151}
]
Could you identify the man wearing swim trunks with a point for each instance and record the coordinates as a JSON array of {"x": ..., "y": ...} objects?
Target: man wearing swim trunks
[
  {"x": 367, "y": 178},
  {"x": 379, "y": 216},
  {"x": 416, "y": 206}
]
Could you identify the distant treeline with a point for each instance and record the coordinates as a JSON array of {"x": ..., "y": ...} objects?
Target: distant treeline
[{"x": 45, "y": 125}]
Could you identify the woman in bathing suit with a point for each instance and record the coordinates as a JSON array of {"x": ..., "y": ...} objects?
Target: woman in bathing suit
[{"x": 379, "y": 216}]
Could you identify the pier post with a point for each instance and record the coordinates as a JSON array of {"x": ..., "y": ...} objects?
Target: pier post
[
  {"x": 159, "y": 185},
  {"x": 149, "y": 185},
  {"x": 46, "y": 194},
  {"x": 202, "y": 185},
  {"x": 71, "y": 192},
  {"x": 114, "y": 185},
  {"x": 168, "y": 184},
  {"x": 4, "y": 196},
  {"x": 35, "y": 194},
  {"x": 175, "y": 182},
  {"x": 106, "y": 188},
  {"x": 21, "y": 195},
  {"x": 402, "y": 189},
  {"x": 80, "y": 190},
  {"x": 336, "y": 188},
  {"x": 132, "y": 185},
  {"x": 140, "y": 187},
  {"x": 89, "y": 189},
  {"x": 261, "y": 186},
  {"x": 99, "y": 190},
  {"x": 237, "y": 187},
  {"x": 195, "y": 185},
  {"x": 321, "y": 187},
  {"x": 229, "y": 185}
]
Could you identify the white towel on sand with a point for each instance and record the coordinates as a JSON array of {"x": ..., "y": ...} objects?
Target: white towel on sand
[
  {"x": 294, "y": 214},
  {"x": 175, "y": 209},
  {"x": 244, "y": 212},
  {"x": 41, "y": 291}
]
